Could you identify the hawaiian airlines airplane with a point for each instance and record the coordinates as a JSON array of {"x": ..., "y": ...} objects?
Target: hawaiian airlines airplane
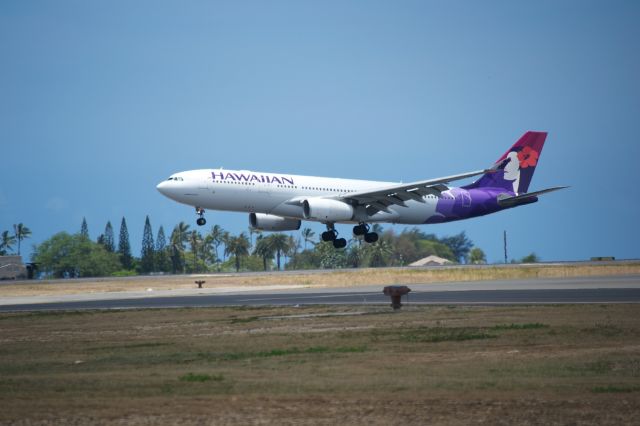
[{"x": 279, "y": 202}]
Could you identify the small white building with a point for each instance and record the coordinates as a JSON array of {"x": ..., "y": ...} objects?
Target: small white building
[
  {"x": 431, "y": 261},
  {"x": 11, "y": 268}
]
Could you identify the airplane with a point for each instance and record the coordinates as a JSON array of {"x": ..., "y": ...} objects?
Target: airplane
[{"x": 280, "y": 202}]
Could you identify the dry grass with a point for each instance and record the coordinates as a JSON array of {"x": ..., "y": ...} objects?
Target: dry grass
[
  {"x": 575, "y": 364},
  {"x": 356, "y": 277}
]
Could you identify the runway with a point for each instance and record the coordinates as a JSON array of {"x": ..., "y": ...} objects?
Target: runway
[{"x": 611, "y": 289}]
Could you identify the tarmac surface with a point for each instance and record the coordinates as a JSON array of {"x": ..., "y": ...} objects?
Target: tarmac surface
[{"x": 609, "y": 289}]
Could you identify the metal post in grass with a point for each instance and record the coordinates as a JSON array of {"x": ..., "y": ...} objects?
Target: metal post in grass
[
  {"x": 396, "y": 292},
  {"x": 505, "y": 246}
]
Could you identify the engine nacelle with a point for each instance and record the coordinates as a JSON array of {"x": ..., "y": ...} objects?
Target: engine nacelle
[
  {"x": 267, "y": 222},
  {"x": 326, "y": 210}
]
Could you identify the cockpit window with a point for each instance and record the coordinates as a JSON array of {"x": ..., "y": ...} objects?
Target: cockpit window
[{"x": 176, "y": 178}]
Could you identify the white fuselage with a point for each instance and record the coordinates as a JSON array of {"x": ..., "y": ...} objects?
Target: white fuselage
[{"x": 276, "y": 194}]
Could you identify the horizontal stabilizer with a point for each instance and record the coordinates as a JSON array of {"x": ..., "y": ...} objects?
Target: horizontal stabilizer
[{"x": 510, "y": 201}]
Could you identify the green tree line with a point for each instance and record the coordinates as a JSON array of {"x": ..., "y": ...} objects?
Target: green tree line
[{"x": 188, "y": 250}]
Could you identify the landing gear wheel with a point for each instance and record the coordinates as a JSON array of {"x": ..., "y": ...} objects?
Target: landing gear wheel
[
  {"x": 371, "y": 237},
  {"x": 361, "y": 229},
  {"x": 339, "y": 243},
  {"x": 329, "y": 235},
  {"x": 201, "y": 220}
]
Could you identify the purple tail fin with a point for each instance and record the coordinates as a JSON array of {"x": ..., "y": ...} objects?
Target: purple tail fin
[{"x": 514, "y": 169}]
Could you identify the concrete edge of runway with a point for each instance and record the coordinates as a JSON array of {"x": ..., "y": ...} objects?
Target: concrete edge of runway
[
  {"x": 619, "y": 281},
  {"x": 612, "y": 289}
]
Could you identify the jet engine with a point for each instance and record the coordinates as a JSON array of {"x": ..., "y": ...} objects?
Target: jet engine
[
  {"x": 267, "y": 222},
  {"x": 326, "y": 210}
]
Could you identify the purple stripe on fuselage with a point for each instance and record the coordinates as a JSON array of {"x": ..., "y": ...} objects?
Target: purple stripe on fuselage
[{"x": 458, "y": 204}]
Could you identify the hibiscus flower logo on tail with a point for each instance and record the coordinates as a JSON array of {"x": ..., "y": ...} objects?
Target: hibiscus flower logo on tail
[{"x": 527, "y": 157}]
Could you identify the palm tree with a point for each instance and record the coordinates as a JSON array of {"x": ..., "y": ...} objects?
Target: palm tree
[
  {"x": 238, "y": 247},
  {"x": 179, "y": 236},
  {"x": 21, "y": 232},
  {"x": 294, "y": 245},
  {"x": 225, "y": 238},
  {"x": 355, "y": 253},
  {"x": 216, "y": 235},
  {"x": 280, "y": 243},
  {"x": 207, "y": 250},
  {"x": 379, "y": 252},
  {"x": 253, "y": 231},
  {"x": 194, "y": 240},
  {"x": 6, "y": 242},
  {"x": 264, "y": 250},
  {"x": 307, "y": 235}
]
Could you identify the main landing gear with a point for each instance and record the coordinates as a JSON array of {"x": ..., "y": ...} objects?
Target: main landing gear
[
  {"x": 363, "y": 229},
  {"x": 201, "y": 220},
  {"x": 332, "y": 235}
]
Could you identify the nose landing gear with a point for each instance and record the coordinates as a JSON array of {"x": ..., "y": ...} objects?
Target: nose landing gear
[{"x": 201, "y": 220}]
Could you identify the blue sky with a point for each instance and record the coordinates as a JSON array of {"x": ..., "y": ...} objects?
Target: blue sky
[{"x": 99, "y": 101}]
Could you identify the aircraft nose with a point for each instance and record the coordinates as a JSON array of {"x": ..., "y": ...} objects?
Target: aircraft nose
[{"x": 162, "y": 187}]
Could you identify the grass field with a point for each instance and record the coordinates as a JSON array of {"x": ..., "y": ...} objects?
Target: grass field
[
  {"x": 337, "y": 278},
  {"x": 576, "y": 364}
]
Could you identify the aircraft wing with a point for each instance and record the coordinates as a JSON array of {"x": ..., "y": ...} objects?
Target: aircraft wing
[{"x": 381, "y": 198}]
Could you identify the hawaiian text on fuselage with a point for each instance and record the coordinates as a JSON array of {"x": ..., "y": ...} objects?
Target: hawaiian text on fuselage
[{"x": 251, "y": 177}]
